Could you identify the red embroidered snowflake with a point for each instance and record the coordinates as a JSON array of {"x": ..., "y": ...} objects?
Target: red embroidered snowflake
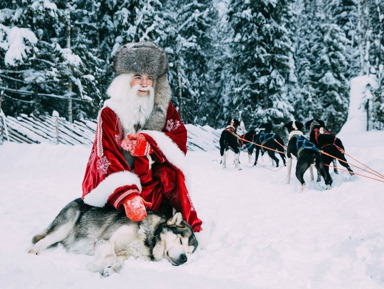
[
  {"x": 102, "y": 165},
  {"x": 172, "y": 124}
]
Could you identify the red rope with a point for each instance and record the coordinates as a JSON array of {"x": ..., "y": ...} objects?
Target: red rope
[
  {"x": 377, "y": 173},
  {"x": 373, "y": 173},
  {"x": 268, "y": 148},
  {"x": 355, "y": 173}
]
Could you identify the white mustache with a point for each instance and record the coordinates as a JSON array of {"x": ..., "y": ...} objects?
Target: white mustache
[{"x": 138, "y": 87}]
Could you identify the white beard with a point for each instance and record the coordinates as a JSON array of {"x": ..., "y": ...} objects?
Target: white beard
[{"x": 132, "y": 110}]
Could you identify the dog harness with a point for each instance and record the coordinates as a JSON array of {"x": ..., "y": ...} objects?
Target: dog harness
[
  {"x": 319, "y": 131},
  {"x": 303, "y": 144},
  {"x": 265, "y": 137},
  {"x": 245, "y": 146},
  {"x": 323, "y": 131}
]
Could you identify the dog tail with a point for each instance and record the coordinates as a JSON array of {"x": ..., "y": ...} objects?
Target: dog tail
[{"x": 322, "y": 170}]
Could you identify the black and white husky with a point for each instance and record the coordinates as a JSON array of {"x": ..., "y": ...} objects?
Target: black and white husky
[
  {"x": 329, "y": 143},
  {"x": 228, "y": 140},
  {"x": 306, "y": 154},
  {"x": 264, "y": 139},
  {"x": 112, "y": 238}
]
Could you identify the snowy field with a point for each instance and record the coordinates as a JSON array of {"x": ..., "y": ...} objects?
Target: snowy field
[{"x": 261, "y": 232}]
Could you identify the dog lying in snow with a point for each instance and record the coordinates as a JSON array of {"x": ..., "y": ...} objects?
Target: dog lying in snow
[{"x": 112, "y": 238}]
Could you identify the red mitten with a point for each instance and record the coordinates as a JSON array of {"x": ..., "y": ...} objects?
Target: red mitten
[
  {"x": 135, "y": 207},
  {"x": 137, "y": 145}
]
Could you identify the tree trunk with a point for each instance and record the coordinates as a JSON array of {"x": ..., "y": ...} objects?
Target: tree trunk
[
  {"x": 360, "y": 32},
  {"x": 180, "y": 88},
  {"x": 68, "y": 15}
]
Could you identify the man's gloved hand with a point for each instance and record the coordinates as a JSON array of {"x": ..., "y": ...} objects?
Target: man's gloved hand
[
  {"x": 137, "y": 145},
  {"x": 135, "y": 207}
]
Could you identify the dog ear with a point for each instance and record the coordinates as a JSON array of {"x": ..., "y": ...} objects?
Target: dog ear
[
  {"x": 287, "y": 125},
  {"x": 299, "y": 125},
  {"x": 176, "y": 220},
  {"x": 322, "y": 123},
  {"x": 308, "y": 123}
]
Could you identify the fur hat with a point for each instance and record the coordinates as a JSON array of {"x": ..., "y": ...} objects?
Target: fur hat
[
  {"x": 147, "y": 58},
  {"x": 143, "y": 57}
]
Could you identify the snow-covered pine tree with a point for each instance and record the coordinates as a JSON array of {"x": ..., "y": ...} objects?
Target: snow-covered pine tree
[
  {"x": 331, "y": 87},
  {"x": 85, "y": 42},
  {"x": 29, "y": 68},
  {"x": 305, "y": 34},
  {"x": 262, "y": 60},
  {"x": 331, "y": 84},
  {"x": 189, "y": 44},
  {"x": 321, "y": 65},
  {"x": 345, "y": 16},
  {"x": 376, "y": 14},
  {"x": 220, "y": 64},
  {"x": 49, "y": 75}
]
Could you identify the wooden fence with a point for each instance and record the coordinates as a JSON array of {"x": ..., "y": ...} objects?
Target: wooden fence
[
  {"x": 57, "y": 130},
  {"x": 46, "y": 129}
]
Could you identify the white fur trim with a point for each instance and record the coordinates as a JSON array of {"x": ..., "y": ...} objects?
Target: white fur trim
[
  {"x": 98, "y": 197},
  {"x": 171, "y": 151}
]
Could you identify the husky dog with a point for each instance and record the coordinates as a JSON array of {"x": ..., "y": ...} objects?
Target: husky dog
[
  {"x": 228, "y": 140},
  {"x": 112, "y": 238},
  {"x": 264, "y": 139},
  {"x": 329, "y": 143},
  {"x": 306, "y": 153}
]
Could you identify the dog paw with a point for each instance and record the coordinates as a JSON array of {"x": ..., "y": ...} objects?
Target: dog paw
[
  {"x": 108, "y": 271},
  {"x": 33, "y": 251}
]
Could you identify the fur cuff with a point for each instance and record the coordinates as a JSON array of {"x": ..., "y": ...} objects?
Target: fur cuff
[{"x": 99, "y": 196}]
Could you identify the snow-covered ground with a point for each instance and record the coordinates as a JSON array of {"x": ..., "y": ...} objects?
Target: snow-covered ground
[{"x": 260, "y": 231}]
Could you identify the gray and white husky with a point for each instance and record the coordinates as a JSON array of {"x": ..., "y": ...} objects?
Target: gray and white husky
[{"x": 112, "y": 238}]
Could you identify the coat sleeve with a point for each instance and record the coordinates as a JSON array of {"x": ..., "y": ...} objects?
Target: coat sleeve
[
  {"x": 170, "y": 144},
  {"x": 108, "y": 177}
]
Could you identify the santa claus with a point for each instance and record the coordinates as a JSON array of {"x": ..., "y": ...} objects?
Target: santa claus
[{"x": 138, "y": 156}]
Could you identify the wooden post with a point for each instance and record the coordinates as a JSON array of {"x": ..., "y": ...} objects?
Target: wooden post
[
  {"x": 56, "y": 115},
  {"x": 1, "y": 119},
  {"x": 3, "y": 123}
]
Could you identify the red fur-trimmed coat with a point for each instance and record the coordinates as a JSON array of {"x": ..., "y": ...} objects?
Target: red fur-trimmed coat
[{"x": 109, "y": 179}]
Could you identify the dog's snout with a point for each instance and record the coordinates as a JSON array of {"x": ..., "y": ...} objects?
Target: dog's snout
[{"x": 183, "y": 259}]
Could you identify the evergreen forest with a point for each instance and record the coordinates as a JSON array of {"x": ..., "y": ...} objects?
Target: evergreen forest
[{"x": 257, "y": 60}]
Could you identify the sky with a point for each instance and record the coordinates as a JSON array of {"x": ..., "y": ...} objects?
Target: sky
[{"x": 258, "y": 231}]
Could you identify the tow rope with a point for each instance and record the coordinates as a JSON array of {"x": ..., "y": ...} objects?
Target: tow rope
[{"x": 367, "y": 170}]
